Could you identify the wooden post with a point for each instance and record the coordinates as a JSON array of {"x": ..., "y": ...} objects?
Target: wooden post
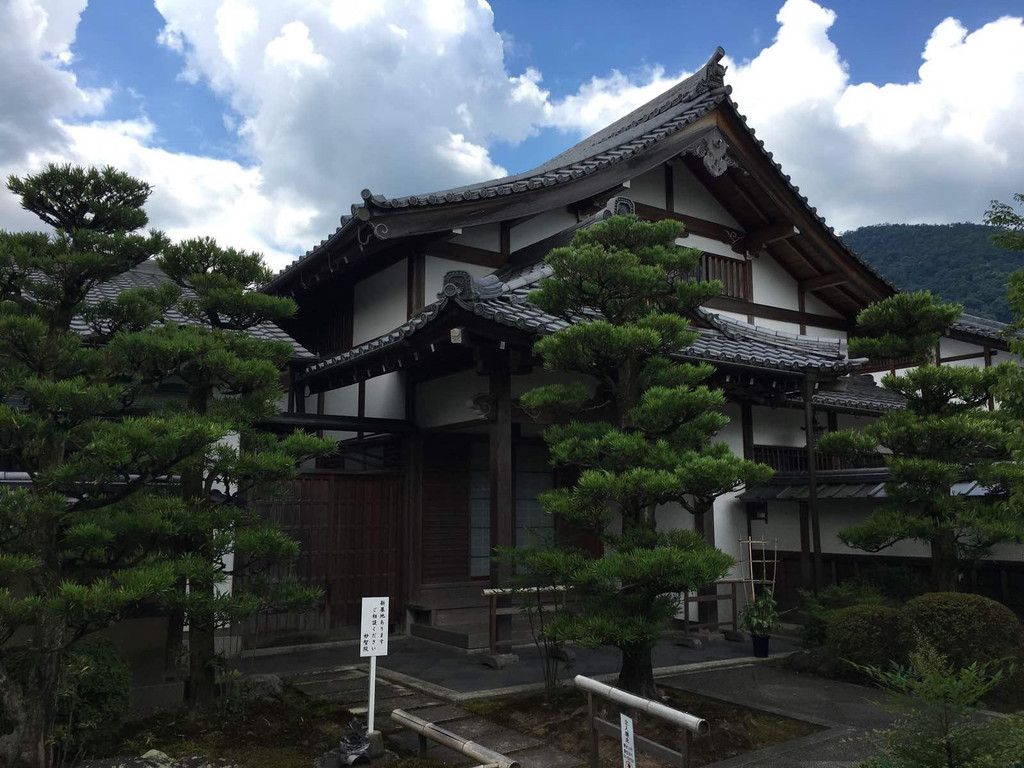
[
  {"x": 805, "y": 547},
  {"x": 812, "y": 477},
  {"x": 593, "y": 731},
  {"x": 502, "y": 513}
]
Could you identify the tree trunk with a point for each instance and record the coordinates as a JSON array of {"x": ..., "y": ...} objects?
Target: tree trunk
[
  {"x": 637, "y": 672},
  {"x": 202, "y": 655},
  {"x": 944, "y": 561},
  {"x": 28, "y": 708}
]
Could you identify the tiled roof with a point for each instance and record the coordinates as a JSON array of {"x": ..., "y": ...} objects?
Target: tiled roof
[
  {"x": 634, "y": 133},
  {"x": 149, "y": 275},
  {"x": 857, "y": 393},
  {"x": 981, "y": 326},
  {"x": 503, "y": 301}
]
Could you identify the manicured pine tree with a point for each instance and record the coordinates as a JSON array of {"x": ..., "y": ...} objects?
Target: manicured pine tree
[
  {"x": 231, "y": 374},
  {"x": 1010, "y": 389},
  {"x": 81, "y": 543},
  {"x": 945, "y": 435},
  {"x": 627, "y": 290}
]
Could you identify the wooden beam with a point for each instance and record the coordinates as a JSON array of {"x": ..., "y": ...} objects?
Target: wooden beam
[
  {"x": 320, "y": 421},
  {"x": 416, "y": 284},
  {"x": 824, "y": 281},
  {"x": 502, "y": 511},
  {"x": 812, "y": 478},
  {"x": 469, "y": 254},
  {"x": 777, "y": 313},
  {"x": 670, "y": 188},
  {"x": 694, "y": 226},
  {"x": 758, "y": 238}
]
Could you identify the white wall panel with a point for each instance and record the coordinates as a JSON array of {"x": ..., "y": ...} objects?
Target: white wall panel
[
  {"x": 693, "y": 198},
  {"x": 380, "y": 303},
  {"x": 539, "y": 227},
  {"x": 435, "y": 268}
]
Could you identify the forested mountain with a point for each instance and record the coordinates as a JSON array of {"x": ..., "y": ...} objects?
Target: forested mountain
[{"x": 955, "y": 261}]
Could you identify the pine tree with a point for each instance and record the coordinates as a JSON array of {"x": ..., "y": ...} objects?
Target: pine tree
[
  {"x": 231, "y": 375},
  {"x": 80, "y": 543},
  {"x": 626, "y": 290},
  {"x": 945, "y": 435}
]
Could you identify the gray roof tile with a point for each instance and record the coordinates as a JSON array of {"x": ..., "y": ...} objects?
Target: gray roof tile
[{"x": 149, "y": 275}]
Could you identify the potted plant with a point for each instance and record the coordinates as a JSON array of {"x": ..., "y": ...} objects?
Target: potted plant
[{"x": 760, "y": 617}]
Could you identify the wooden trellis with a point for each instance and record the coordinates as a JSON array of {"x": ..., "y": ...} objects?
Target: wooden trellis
[{"x": 762, "y": 565}]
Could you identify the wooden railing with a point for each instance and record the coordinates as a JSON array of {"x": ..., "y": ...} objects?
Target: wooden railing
[
  {"x": 732, "y": 273},
  {"x": 788, "y": 459}
]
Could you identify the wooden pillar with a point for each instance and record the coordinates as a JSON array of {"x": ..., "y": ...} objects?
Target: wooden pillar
[
  {"x": 812, "y": 478},
  {"x": 502, "y": 513},
  {"x": 412, "y": 546},
  {"x": 805, "y": 547}
]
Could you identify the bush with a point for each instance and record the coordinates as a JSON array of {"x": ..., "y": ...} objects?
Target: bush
[
  {"x": 898, "y": 583},
  {"x": 864, "y": 635},
  {"x": 818, "y": 606},
  {"x": 94, "y": 699},
  {"x": 961, "y": 627},
  {"x": 937, "y": 708}
]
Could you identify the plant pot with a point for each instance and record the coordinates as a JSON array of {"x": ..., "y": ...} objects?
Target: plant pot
[{"x": 760, "y": 645}]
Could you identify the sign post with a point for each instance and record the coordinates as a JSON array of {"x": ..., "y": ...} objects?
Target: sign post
[
  {"x": 628, "y": 751},
  {"x": 373, "y": 643}
]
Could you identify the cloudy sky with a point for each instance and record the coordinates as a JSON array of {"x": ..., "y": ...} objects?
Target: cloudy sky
[{"x": 259, "y": 121}]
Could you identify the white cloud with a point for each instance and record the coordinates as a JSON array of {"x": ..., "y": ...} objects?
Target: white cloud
[
  {"x": 405, "y": 96},
  {"x": 936, "y": 149}
]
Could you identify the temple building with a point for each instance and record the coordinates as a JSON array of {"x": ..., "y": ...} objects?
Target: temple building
[{"x": 416, "y": 310}]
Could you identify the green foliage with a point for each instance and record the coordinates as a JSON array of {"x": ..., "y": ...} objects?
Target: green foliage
[
  {"x": 937, "y": 728},
  {"x": 94, "y": 698},
  {"x": 964, "y": 628},
  {"x": 820, "y": 605},
  {"x": 907, "y": 325},
  {"x": 944, "y": 436},
  {"x": 626, "y": 290},
  {"x": 104, "y": 526},
  {"x": 863, "y": 635},
  {"x": 1009, "y": 221},
  {"x": 959, "y": 262},
  {"x": 761, "y": 617}
]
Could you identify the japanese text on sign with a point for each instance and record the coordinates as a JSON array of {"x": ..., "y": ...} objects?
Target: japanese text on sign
[
  {"x": 373, "y": 629},
  {"x": 628, "y": 752}
]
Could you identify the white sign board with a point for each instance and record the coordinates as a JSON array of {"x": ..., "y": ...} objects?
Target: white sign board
[
  {"x": 628, "y": 751},
  {"x": 373, "y": 629}
]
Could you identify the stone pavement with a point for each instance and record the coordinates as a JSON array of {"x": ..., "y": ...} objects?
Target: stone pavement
[
  {"x": 465, "y": 673},
  {"x": 847, "y": 712},
  {"x": 351, "y": 686}
]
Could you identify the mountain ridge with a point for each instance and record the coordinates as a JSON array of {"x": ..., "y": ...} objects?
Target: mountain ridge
[{"x": 954, "y": 261}]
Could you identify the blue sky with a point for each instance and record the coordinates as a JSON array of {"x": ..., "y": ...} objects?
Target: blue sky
[
  {"x": 569, "y": 42},
  {"x": 260, "y": 120}
]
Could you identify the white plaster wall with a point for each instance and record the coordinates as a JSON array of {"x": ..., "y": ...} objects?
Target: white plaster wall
[
  {"x": 777, "y": 325},
  {"x": 435, "y": 268},
  {"x": 449, "y": 399},
  {"x": 692, "y": 198},
  {"x": 539, "y": 227},
  {"x": 773, "y": 285},
  {"x": 730, "y": 513},
  {"x": 778, "y": 426},
  {"x": 486, "y": 236},
  {"x": 337, "y": 402},
  {"x": 813, "y": 304},
  {"x": 648, "y": 188},
  {"x": 825, "y": 333},
  {"x": 782, "y": 525},
  {"x": 835, "y": 515},
  {"x": 380, "y": 303},
  {"x": 385, "y": 396}
]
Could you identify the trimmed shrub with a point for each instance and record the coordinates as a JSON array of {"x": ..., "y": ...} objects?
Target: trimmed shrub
[
  {"x": 964, "y": 628},
  {"x": 95, "y": 697},
  {"x": 865, "y": 635},
  {"x": 818, "y": 606}
]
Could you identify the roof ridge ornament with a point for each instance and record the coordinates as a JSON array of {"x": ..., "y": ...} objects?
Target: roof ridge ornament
[{"x": 713, "y": 149}]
